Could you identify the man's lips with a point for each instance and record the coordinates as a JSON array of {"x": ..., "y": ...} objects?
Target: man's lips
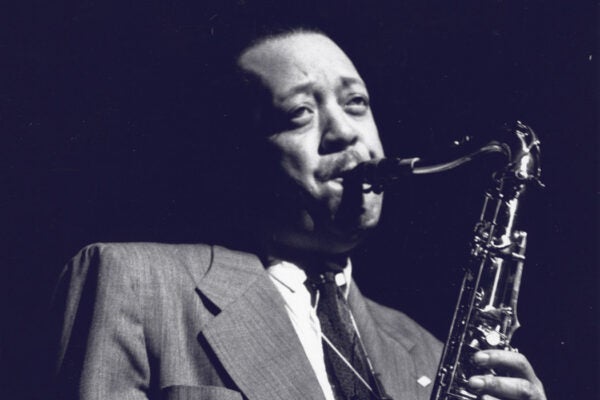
[{"x": 336, "y": 166}]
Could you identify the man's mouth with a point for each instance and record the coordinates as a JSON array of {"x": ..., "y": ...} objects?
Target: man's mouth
[{"x": 336, "y": 168}]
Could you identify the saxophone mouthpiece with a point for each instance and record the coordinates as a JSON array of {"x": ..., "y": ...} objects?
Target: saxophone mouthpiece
[{"x": 383, "y": 171}]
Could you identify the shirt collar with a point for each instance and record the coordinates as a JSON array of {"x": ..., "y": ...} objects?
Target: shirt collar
[{"x": 293, "y": 277}]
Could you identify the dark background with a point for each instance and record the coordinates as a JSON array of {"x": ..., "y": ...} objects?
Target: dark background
[{"x": 107, "y": 134}]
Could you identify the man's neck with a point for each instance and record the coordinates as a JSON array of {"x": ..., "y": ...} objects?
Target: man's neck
[{"x": 311, "y": 262}]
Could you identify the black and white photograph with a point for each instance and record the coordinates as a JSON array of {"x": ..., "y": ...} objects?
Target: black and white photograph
[{"x": 282, "y": 200}]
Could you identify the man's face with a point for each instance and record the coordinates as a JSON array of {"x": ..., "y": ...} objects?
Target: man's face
[{"x": 318, "y": 124}]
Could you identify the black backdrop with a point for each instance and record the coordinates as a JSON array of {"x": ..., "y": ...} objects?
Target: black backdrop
[{"x": 107, "y": 135}]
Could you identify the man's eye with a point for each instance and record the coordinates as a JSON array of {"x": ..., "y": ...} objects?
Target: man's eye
[
  {"x": 357, "y": 105},
  {"x": 301, "y": 115}
]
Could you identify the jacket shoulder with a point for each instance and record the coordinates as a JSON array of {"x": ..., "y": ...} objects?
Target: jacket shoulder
[
  {"x": 135, "y": 256},
  {"x": 147, "y": 251}
]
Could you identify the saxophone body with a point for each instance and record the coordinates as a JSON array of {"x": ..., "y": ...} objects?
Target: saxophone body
[{"x": 486, "y": 312}]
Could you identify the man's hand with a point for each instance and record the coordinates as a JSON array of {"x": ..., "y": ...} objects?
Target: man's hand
[{"x": 516, "y": 379}]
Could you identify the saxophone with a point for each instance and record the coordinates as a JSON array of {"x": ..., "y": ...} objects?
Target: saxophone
[{"x": 486, "y": 312}]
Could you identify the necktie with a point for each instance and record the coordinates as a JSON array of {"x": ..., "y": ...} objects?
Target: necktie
[{"x": 338, "y": 328}]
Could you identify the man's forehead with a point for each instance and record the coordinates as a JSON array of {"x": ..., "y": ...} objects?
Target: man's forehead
[{"x": 295, "y": 58}]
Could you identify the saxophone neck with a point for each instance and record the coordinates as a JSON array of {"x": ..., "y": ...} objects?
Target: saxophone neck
[
  {"x": 519, "y": 145},
  {"x": 520, "y": 148}
]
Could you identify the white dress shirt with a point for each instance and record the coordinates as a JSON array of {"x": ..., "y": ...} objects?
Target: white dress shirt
[{"x": 289, "y": 280}]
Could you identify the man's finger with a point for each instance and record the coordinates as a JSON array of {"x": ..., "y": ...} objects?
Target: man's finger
[
  {"x": 516, "y": 364},
  {"x": 488, "y": 397},
  {"x": 505, "y": 388}
]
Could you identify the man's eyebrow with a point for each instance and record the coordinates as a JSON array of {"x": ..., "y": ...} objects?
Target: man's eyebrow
[
  {"x": 350, "y": 80},
  {"x": 301, "y": 88},
  {"x": 309, "y": 86}
]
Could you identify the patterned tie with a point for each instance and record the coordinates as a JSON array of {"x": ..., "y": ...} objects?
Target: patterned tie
[{"x": 338, "y": 328}]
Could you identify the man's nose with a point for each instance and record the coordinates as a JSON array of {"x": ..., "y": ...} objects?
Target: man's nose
[{"x": 339, "y": 132}]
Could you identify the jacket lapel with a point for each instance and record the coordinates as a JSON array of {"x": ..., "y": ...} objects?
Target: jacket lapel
[
  {"x": 390, "y": 354},
  {"x": 252, "y": 335}
]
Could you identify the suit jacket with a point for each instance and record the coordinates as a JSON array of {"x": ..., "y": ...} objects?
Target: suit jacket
[{"x": 161, "y": 321}]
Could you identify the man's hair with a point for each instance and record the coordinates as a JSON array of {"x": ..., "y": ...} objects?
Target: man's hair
[{"x": 273, "y": 33}]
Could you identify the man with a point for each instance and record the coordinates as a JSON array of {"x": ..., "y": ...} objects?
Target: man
[{"x": 201, "y": 322}]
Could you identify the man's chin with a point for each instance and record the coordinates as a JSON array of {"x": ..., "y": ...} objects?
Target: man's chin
[
  {"x": 347, "y": 237},
  {"x": 358, "y": 220},
  {"x": 344, "y": 235},
  {"x": 335, "y": 229}
]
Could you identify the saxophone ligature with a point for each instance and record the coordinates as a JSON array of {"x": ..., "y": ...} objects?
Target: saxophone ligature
[{"x": 485, "y": 316}]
